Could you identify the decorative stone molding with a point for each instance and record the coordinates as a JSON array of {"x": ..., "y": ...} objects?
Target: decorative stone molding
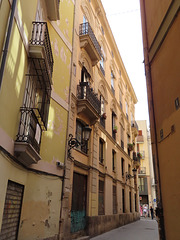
[
  {"x": 103, "y": 91},
  {"x": 113, "y": 106},
  {"x": 85, "y": 61}
]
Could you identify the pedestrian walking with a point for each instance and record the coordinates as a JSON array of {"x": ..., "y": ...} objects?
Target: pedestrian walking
[
  {"x": 152, "y": 212},
  {"x": 145, "y": 210}
]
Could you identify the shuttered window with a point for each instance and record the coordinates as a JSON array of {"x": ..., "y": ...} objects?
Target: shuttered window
[
  {"x": 12, "y": 211},
  {"x": 114, "y": 200},
  {"x": 101, "y": 198}
]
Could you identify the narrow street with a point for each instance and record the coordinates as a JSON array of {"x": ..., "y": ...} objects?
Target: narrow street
[{"x": 143, "y": 229}]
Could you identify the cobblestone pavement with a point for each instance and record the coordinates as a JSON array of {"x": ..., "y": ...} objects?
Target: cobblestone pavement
[{"x": 144, "y": 229}]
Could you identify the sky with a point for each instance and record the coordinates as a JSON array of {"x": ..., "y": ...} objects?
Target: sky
[{"x": 125, "y": 22}]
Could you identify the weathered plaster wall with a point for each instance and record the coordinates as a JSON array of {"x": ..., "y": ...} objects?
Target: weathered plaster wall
[{"x": 41, "y": 201}]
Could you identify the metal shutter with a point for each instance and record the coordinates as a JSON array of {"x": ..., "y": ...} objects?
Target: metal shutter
[{"x": 12, "y": 211}]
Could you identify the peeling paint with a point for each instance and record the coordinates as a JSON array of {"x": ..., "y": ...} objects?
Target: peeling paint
[
  {"x": 56, "y": 49},
  {"x": 67, "y": 22},
  {"x": 63, "y": 55},
  {"x": 66, "y": 92},
  {"x": 47, "y": 223},
  {"x": 66, "y": 33},
  {"x": 49, "y": 201},
  {"x": 49, "y": 194}
]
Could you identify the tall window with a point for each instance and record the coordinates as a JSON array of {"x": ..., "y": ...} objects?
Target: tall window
[
  {"x": 123, "y": 200},
  {"x": 142, "y": 183},
  {"x": 84, "y": 19},
  {"x": 112, "y": 83},
  {"x": 79, "y": 136},
  {"x": 129, "y": 169},
  {"x": 122, "y": 166},
  {"x": 128, "y": 141},
  {"x": 101, "y": 150},
  {"x": 102, "y": 104},
  {"x": 120, "y": 98},
  {"x": 122, "y": 137},
  {"x": 130, "y": 202},
  {"x": 113, "y": 159},
  {"x": 102, "y": 61},
  {"x": 103, "y": 115},
  {"x": 35, "y": 109},
  {"x": 114, "y": 128},
  {"x": 114, "y": 200},
  {"x": 85, "y": 76},
  {"x": 135, "y": 202},
  {"x": 127, "y": 111},
  {"x": 101, "y": 198}
]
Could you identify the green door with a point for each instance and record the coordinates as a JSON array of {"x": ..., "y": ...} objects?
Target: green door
[{"x": 78, "y": 210}]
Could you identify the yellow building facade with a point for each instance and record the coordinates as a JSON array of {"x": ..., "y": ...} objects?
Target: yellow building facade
[
  {"x": 100, "y": 187},
  {"x": 145, "y": 173},
  {"x": 161, "y": 36},
  {"x": 34, "y": 102}
]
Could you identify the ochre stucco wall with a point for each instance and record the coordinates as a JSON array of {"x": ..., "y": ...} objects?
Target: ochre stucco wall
[
  {"x": 166, "y": 85},
  {"x": 155, "y": 11}
]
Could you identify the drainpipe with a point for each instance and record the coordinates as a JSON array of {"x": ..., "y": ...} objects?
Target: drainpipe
[
  {"x": 159, "y": 209},
  {"x": 6, "y": 45}
]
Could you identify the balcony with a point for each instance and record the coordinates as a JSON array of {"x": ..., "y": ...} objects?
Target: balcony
[
  {"x": 52, "y": 7},
  {"x": 136, "y": 160},
  {"x": 88, "y": 103},
  {"x": 27, "y": 144},
  {"x": 142, "y": 154},
  {"x": 142, "y": 171},
  {"x": 41, "y": 53},
  {"x": 89, "y": 42},
  {"x": 134, "y": 128}
]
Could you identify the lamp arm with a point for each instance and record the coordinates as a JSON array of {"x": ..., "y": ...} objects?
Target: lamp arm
[{"x": 72, "y": 142}]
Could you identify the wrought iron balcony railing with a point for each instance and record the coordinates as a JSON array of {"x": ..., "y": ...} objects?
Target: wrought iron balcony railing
[
  {"x": 84, "y": 29},
  {"x": 40, "y": 38},
  {"x": 136, "y": 160},
  {"x": 89, "y": 42},
  {"x": 87, "y": 93},
  {"x": 29, "y": 129}
]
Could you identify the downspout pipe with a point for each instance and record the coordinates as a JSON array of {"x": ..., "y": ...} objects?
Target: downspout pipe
[
  {"x": 160, "y": 213},
  {"x": 6, "y": 45}
]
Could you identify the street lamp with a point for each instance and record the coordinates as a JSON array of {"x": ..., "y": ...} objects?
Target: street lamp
[
  {"x": 73, "y": 142},
  {"x": 129, "y": 176}
]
